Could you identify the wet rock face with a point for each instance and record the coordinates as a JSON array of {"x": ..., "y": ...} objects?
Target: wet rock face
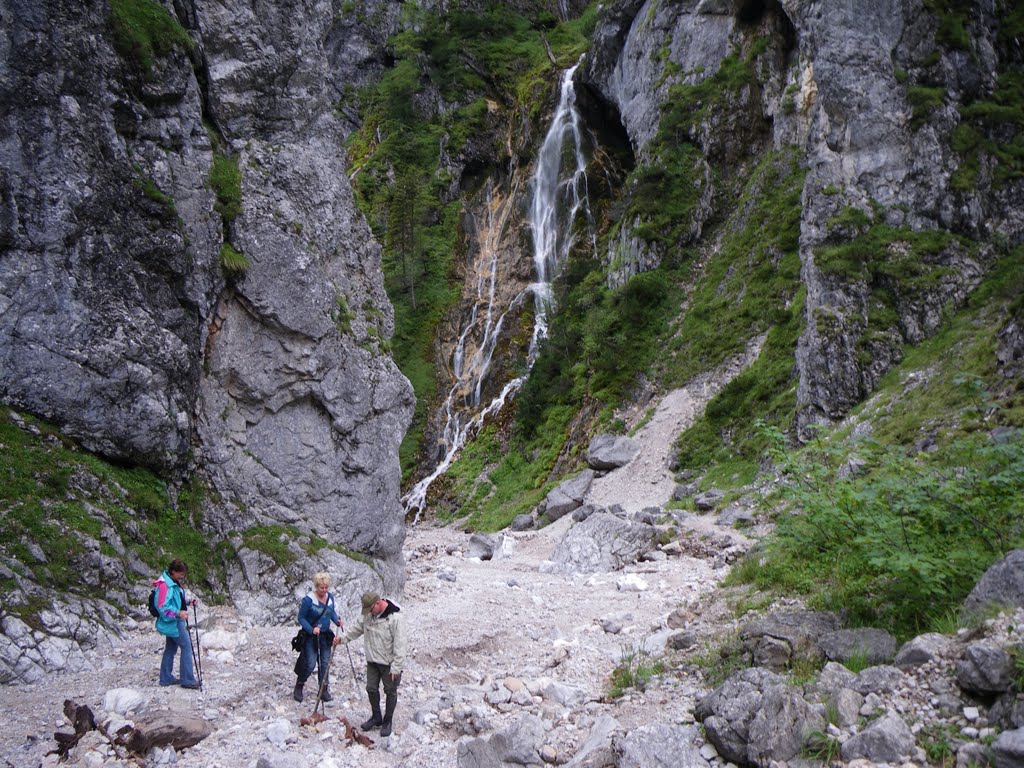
[{"x": 117, "y": 321}]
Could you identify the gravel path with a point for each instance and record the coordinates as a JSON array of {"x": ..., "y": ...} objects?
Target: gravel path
[{"x": 498, "y": 619}]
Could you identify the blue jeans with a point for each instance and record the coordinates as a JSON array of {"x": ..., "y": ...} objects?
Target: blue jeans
[
  {"x": 317, "y": 655},
  {"x": 183, "y": 642}
]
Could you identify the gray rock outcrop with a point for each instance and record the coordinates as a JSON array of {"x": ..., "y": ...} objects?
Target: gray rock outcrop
[
  {"x": 754, "y": 718},
  {"x": 876, "y": 646},
  {"x": 601, "y": 543},
  {"x": 121, "y": 326},
  {"x": 777, "y": 640},
  {"x": 611, "y": 451},
  {"x": 840, "y": 83},
  {"x": 1002, "y": 585}
]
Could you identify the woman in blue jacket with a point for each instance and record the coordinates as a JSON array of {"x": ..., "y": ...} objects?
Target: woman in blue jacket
[
  {"x": 172, "y": 623},
  {"x": 316, "y": 614}
]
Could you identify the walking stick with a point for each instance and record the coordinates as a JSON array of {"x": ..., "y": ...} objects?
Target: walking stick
[
  {"x": 355, "y": 680},
  {"x": 197, "y": 651},
  {"x": 323, "y": 683}
]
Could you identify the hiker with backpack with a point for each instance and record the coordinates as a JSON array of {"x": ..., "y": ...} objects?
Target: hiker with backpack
[
  {"x": 387, "y": 646},
  {"x": 172, "y": 622},
  {"x": 316, "y": 614}
]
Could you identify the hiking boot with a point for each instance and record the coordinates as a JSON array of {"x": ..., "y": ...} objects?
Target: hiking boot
[
  {"x": 375, "y": 718},
  {"x": 326, "y": 695},
  {"x": 389, "y": 712},
  {"x": 191, "y": 686},
  {"x": 297, "y": 693}
]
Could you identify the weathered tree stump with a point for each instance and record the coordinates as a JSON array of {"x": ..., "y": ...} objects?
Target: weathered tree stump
[{"x": 167, "y": 730}]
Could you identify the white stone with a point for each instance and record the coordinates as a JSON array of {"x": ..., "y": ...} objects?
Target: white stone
[
  {"x": 124, "y": 700},
  {"x": 278, "y": 732},
  {"x": 971, "y": 714},
  {"x": 631, "y": 583}
]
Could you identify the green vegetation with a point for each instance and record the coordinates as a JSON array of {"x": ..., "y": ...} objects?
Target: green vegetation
[
  {"x": 343, "y": 315},
  {"x": 149, "y": 188},
  {"x": 750, "y": 286},
  {"x": 923, "y": 99},
  {"x": 143, "y": 29},
  {"x": 953, "y": 15},
  {"x": 491, "y": 67},
  {"x": 902, "y": 542},
  {"x": 636, "y": 668},
  {"x": 720, "y": 661},
  {"x": 897, "y": 536},
  {"x": 232, "y": 260},
  {"x": 273, "y": 541},
  {"x": 992, "y": 128},
  {"x": 821, "y": 747},
  {"x": 226, "y": 181},
  {"x": 939, "y": 741},
  {"x": 58, "y": 503},
  {"x": 494, "y": 481}
]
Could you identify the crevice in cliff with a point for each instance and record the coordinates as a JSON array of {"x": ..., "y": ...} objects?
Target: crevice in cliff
[{"x": 188, "y": 15}]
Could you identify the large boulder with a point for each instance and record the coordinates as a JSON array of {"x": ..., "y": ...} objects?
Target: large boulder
[
  {"x": 728, "y": 711},
  {"x": 659, "y": 745},
  {"x": 886, "y": 740},
  {"x": 611, "y": 451},
  {"x": 603, "y": 542},
  {"x": 985, "y": 669},
  {"x": 1002, "y": 585},
  {"x": 568, "y": 495}
]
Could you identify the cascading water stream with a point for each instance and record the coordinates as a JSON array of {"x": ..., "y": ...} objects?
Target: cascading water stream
[{"x": 557, "y": 196}]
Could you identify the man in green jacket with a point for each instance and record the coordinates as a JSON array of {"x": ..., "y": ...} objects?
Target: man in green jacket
[{"x": 387, "y": 646}]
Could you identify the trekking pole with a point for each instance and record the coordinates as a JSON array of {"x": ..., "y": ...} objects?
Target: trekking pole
[
  {"x": 355, "y": 680},
  {"x": 197, "y": 651},
  {"x": 195, "y": 660},
  {"x": 323, "y": 683}
]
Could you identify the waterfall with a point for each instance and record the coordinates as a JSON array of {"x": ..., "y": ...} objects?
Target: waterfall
[{"x": 557, "y": 196}]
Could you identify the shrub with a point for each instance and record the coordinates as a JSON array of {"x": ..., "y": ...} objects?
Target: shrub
[
  {"x": 906, "y": 537},
  {"x": 636, "y": 668}
]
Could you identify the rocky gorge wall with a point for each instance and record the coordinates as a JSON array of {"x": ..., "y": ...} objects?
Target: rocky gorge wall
[
  {"x": 118, "y": 322},
  {"x": 871, "y": 95}
]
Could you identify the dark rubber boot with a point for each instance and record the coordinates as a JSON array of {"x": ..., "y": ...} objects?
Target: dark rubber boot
[
  {"x": 297, "y": 693},
  {"x": 389, "y": 713},
  {"x": 375, "y": 718},
  {"x": 326, "y": 695}
]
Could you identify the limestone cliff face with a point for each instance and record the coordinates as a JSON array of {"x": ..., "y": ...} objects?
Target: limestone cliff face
[
  {"x": 301, "y": 410},
  {"x": 839, "y": 83},
  {"x": 104, "y": 289},
  {"x": 117, "y": 321}
]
